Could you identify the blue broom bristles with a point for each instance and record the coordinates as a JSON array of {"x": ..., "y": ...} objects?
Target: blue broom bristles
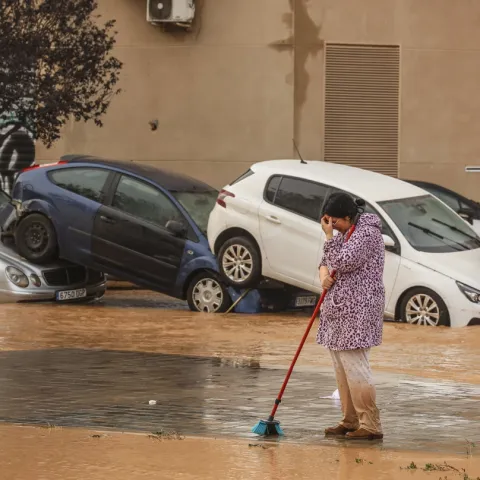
[
  {"x": 260, "y": 428},
  {"x": 266, "y": 428},
  {"x": 279, "y": 429}
]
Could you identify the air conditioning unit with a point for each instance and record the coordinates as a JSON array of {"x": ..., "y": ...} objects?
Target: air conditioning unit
[{"x": 170, "y": 11}]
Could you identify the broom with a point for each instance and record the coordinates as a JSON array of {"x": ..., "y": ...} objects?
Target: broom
[{"x": 272, "y": 426}]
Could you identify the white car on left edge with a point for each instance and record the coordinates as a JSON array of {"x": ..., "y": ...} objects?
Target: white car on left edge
[{"x": 266, "y": 224}]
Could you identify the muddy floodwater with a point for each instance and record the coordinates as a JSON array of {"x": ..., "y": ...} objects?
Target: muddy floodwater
[
  {"x": 62, "y": 454},
  {"x": 74, "y": 377},
  {"x": 147, "y": 322}
]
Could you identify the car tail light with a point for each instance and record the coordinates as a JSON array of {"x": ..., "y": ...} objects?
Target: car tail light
[
  {"x": 36, "y": 165},
  {"x": 222, "y": 196}
]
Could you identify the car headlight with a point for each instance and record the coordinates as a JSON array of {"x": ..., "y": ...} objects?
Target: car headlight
[
  {"x": 17, "y": 277},
  {"x": 471, "y": 293}
]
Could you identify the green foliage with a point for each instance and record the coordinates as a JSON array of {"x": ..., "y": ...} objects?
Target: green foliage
[{"x": 56, "y": 63}]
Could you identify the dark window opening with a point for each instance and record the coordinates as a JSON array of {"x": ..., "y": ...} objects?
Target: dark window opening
[{"x": 297, "y": 195}]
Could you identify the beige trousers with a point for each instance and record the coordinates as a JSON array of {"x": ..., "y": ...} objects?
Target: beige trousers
[{"x": 357, "y": 390}]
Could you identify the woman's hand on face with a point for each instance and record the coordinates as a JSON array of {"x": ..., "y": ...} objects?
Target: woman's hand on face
[
  {"x": 328, "y": 282},
  {"x": 327, "y": 226}
]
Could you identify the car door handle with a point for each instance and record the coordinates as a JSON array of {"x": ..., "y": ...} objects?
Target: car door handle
[
  {"x": 273, "y": 219},
  {"x": 105, "y": 219}
]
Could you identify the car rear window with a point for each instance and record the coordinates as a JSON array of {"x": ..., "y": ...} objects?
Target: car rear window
[
  {"x": 87, "y": 182},
  {"x": 272, "y": 188}
]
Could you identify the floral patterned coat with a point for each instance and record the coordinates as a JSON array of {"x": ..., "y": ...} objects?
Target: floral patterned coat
[{"x": 352, "y": 313}]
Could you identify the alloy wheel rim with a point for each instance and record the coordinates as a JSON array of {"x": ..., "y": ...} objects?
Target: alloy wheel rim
[
  {"x": 237, "y": 263},
  {"x": 207, "y": 295},
  {"x": 422, "y": 309}
]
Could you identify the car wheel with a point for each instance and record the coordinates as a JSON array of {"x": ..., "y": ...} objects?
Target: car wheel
[
  {"x": 206, "y": 293},
  {"x": 36, "y": 240},
  {"x": 239, "y": 263},
  {"x": 422, "y": 306}
]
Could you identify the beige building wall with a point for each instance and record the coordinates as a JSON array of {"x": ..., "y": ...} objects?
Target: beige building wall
[{"x": 250, "y": 76}]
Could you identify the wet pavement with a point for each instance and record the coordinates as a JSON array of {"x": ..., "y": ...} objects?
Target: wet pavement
[
  {"x": 217, "y": 375},
  {"x": 214, "y": 397}
]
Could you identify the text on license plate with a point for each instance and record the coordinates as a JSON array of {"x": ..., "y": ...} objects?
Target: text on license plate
[
  {"x": 72, "y": 294},
  {"x": 305, "y": 301}
]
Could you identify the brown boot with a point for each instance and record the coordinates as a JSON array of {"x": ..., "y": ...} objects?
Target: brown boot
[
  {"x": 339, "y": 430},
  {"x": 362, "y": 434}
]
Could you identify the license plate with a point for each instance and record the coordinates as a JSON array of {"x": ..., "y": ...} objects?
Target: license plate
[
  {"x": 71, "y": 294},
  {"x": 305, "y": 301}
]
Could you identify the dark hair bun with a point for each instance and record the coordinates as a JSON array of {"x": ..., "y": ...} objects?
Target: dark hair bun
[
  {"x": 341, "y": 205},
  {"x": 359, "y": 202}
]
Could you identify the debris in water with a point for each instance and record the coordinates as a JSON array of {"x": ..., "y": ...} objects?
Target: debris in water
[
  {"x": 166, "y": 435},
  {"x": 363, "y": 461},
  {"x": 152, "y": 402},
  {"x": 335, "y": 395}
]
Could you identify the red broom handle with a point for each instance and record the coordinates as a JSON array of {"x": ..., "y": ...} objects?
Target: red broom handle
[{"x": 304, "y": 338}]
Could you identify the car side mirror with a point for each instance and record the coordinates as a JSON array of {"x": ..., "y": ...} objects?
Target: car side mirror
[
  {"x": 177, "y": 228},
  {"x": 388, "y": 241},
  {"x": 467, "y": 214}
]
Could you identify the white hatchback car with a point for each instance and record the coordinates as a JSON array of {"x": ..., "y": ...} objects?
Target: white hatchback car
[{"x": 266, "y": 223}]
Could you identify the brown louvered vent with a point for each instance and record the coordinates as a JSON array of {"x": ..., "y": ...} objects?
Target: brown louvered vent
[{"x": 361, "y": 106}]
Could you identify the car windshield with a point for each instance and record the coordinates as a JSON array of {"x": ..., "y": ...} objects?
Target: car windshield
[
  {"x": 429, "y": 226},
  {"x": 198, "y": 205}
]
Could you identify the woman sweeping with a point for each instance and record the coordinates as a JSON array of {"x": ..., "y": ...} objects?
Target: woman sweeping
[{"x": 351, "y": 318}]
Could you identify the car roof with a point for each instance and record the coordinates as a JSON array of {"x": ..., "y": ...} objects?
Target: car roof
[
  {"x": 172, "y": 181},
  {"x": 363, "y": 183}
]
